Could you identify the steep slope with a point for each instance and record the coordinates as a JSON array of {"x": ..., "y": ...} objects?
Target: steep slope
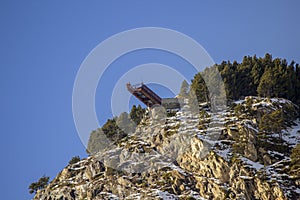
[{"x": 228, "y": 154}]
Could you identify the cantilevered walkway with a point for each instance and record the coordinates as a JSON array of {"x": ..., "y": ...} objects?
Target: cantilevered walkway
[{"x": 144, "y": 94}]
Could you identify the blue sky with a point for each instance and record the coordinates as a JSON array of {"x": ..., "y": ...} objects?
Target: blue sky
[{"x": 43, "y": 44}]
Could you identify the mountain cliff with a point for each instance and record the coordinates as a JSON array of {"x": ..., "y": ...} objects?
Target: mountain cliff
[{"x": 249, "y": 150}]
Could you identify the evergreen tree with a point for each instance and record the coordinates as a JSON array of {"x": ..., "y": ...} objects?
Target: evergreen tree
[
  {"x": 112, "y": 131},
  {"x": 184, "y": 89},
  {"x": 137, "y": 113},
  {"x": 199, "y": 87},
  {"x": 266, "y": 77},
  {"x": 267, "y": 61},
  {"x": 125, "y": 123},
  {"x": 228, "y": 73},
  {"x": 97, "y": 141},
  {"x": 272, "y": 123},
  {"x": 244, "y": 80},
  {"x": 193, "y": 102},
  {"x": 74, "y": 160},
  {"x": 40, "y": 184},
  {"x": 256, "y": 71},
  {"x": 266, "y": 84}
]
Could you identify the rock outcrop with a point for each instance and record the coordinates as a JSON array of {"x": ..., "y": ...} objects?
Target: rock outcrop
[{"x": 221, "y": 155}]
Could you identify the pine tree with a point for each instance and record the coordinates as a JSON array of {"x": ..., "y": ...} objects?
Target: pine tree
[
  {"x": 256, "y": 71},
  {"x": 199, "y": 87},
  {"x": 125, "y": 123},
  {"x": 184, "y": 89},
  {"x": 254, "y": 76},
  {"x": 97, "y": 141},
  {"x": 266, "y": 84},
  {"x": 74, "y": 160},
  {"x": 137, "y": 113},
  {"x": 272, "y": 123},
  {"x": 112, "y": 131},
  {"x": 228, "y": 73},
  {"x": 40, "y": 184}
]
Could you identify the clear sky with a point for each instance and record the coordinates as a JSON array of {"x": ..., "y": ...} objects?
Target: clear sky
[{"x": 43, "y": 44}]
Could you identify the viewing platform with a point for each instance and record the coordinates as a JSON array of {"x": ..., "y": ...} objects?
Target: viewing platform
[{"x": 144, "y": 94}]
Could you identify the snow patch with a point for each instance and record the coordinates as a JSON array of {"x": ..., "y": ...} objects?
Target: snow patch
[
  {"x": 254, "y": 165},
  {"x": 292, "y": 136},
  {"x": 166, "y": 195},
  {"x": 246, "y": 177}
]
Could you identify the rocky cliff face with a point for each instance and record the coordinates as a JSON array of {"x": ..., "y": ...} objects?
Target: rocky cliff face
[{"x": 221, "y": 155}]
